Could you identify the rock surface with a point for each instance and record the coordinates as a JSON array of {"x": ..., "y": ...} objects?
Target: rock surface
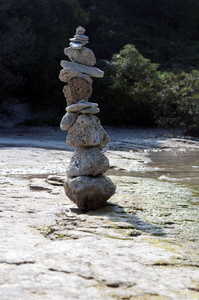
[
  {"x": 87, "y": 161},
  {"x": 67, "y": 74},
  {"x": 79, "y": 106},
  {"x": 83, "y": 56},
  {"x": 76, "y": 90},
  {"x": 87, "y": 131},
  {"x": 90, "y": 110},
  {"x": 129, "y": 249},
  {"x": 68, "y": 120},
  {"x": 91, "y": 71},
  {"x": 89, "y": 192}
]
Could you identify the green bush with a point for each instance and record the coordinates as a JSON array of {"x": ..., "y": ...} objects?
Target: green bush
[
  {"x": 140, "y": 94},
  {"x": 131, "y": 88},
  {"x": 176, "y": 105}
]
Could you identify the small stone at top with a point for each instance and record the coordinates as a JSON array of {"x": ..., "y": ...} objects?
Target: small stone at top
[{"x": 80, "y": 30}]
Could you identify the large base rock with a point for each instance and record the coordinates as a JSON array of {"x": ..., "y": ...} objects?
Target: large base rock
[
  {"x": 87, "y": 161},
  {"x": 89, "y": 192}
]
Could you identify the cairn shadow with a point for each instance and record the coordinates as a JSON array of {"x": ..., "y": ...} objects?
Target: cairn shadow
[{"x": 116, "y": 213}]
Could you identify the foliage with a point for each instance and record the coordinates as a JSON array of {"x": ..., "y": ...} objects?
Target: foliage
[
  {"x": 177, "y": 102},
  {"x": 163, "y": 30},
  {"x": 17, "y": 46},
  {"x": 143, "y": 95},
  {"x": 130, "y": 88},
  {"x": 35, "y": 34}
]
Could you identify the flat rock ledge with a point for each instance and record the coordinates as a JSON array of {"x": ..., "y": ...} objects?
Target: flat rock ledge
[{"x": 133, "y": 248}]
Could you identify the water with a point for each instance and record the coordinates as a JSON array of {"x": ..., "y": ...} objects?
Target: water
[{"x": 175, "y": 166}]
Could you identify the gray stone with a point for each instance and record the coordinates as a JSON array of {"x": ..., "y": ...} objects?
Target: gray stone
[
  {"x": 91, "y": 71},
  {"x": 76, "y": 90},
  {"x": 68, "y": 120},
  {"x": 89, "y": 192},
  {"x": 87, "y": 161},
  {"x": 83, "y": 56},
  {"x": 80, "y": 30},
  {"x": 78, "y": 106},
  {"x": 66, "y": 75},
  {"x": 90, "y": 110},
  {"x": 76, "y": 45},
  {"x": 87, "y": 131},
  {"x": 78, "y": 41},
  {"x": 81, "y": 37}
]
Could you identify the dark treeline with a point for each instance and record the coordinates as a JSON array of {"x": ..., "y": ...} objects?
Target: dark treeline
[{"x": 152, "y": 83}]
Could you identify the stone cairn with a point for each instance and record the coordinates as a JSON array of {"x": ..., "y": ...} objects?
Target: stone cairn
[{"x": 86, "y": 184}]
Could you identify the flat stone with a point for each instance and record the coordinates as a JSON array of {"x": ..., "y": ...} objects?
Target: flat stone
[
  {"x": 87, "y": 131},
  {"x": 90, "y": 110},
  {"x": 76, "y": 45},
  {"x": 89, "y": 192},
  {"x": 67, "y": 74},
  {"x": 81, "y": 37},
  {"x": 76, "y": 90},
  {"x": 68, "y": 120},
  {"x": 80, "y": 30},
  {"x": 83, "y": 56},
  {"x": 87, "y": 161},
  {"x": 78, "y": 41},
  {"x": 78, "y": 106},
  {"x": 91, "y": 71}
]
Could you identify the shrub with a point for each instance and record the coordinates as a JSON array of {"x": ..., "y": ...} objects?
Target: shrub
[{"x": 140, "y": 94}]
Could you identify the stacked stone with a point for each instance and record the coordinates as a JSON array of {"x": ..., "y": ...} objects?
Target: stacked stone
[{"x": 86, "y": 184}]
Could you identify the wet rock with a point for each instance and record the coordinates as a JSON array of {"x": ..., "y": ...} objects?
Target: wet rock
[
  {"x": 87, "y": 161},
  {"x": 83, "y": 56},
  {"x": 89, "y": 192},
  {"x": 67, "y": 74},
  {"x": 68, "y": 120},
  {"x": 87, "y": 131},
  {"x": 91, "y": 71},
  {"x": 76, "y": 90}
]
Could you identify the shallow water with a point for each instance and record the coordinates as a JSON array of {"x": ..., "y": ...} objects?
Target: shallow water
[{"x": 175, "y": 166}]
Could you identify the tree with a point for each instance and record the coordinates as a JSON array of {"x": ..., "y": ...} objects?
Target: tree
[
  {"x": 17, "y": 46},
  {"x": 33, "y": 35}
]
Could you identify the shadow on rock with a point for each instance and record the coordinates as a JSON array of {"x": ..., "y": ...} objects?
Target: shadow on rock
[{"x": 121, "y": 219}]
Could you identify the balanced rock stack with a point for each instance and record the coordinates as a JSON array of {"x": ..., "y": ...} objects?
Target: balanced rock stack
[{"x": 86, "y": 184}]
